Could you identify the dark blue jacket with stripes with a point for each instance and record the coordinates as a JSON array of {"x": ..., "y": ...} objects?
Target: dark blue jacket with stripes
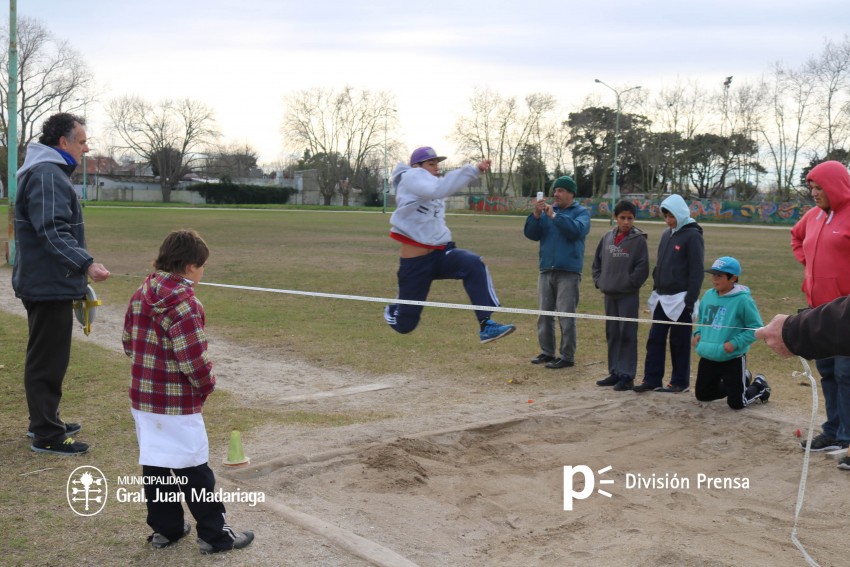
[{"x": 51, "y": 258}]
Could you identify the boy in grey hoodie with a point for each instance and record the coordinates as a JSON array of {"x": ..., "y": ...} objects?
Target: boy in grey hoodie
[{"x": 620, "y": 268}]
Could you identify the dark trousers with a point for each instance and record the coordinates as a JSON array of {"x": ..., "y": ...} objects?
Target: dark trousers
[
  {"x": 680, "y": 349},
  {"x": 415, "y": 276},
  {"x": 727, "y": 379},
  {"x": 165, "y": 515},
  {"x": 835, "y": 381},
  {"x": 622, "y": 336},
  {"x": 48, "y": 354}
]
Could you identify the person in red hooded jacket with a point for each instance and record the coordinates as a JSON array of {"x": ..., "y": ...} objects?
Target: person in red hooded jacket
[{"x": 821, "y": 242}]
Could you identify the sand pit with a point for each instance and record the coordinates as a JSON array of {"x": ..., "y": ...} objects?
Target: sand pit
[{"x": 488, "y": 495}]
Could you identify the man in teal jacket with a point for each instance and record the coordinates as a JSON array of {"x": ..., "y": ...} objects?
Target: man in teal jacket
[{"x": 561, "y": 229}]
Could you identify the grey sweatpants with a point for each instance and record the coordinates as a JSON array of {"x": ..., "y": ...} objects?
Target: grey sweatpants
[
  {"x": 558, "y": 291},
  {"x": 622, "y": 335}
]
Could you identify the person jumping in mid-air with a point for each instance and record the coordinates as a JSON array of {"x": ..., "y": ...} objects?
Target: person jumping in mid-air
[{"x": 427, "y": 251}]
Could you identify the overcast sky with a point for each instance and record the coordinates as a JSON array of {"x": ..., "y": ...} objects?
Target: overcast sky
[{"x": 242, "y": 57}]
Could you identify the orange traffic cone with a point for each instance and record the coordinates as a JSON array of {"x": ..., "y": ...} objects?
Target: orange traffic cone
[{"x": 235, "y": 454}]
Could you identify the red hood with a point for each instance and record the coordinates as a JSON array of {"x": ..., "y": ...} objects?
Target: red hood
[
  {"x": 834, "y": 179},
  {"x": 164, "y": 291}
]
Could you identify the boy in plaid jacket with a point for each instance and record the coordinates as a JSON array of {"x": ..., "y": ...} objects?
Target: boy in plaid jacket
[{"x": 171, "y": 378}]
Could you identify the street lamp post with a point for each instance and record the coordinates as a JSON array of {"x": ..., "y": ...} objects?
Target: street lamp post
[
  {"x": 386, "y": 172},
  {"x": 616, "y": 137},
  {"x": 84, "y": 157},
  {"x": 384, "y": 208},
  {"x": 84, "y": 180}
]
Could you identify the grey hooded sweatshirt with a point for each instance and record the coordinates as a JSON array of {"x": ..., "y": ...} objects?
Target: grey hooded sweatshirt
[{"x": 420, "y": 213}]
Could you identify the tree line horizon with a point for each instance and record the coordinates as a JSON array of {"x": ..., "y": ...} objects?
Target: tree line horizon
[{"x": 738, "y": 139}]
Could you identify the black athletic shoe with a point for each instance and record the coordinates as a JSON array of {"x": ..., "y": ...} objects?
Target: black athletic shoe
[
  {"x": 542, "y": 359},
  {"x": 645, "y": 387},
  {"x": 624, "y": 385},
  {"x": 70, "y": 429},
  {"x": 673, "y": 389},
  {"x": 612, "y": 380},
  {"x": 240, "y": 540},
  {"x": 66, "y": 447},
  {"x": 823, "y": 443},
  {"x": 159, "y": 541},
  {"x": 764, "y": 389},
  {"x": 844, "y": 463},
  {"x": 560, "y": 363}
]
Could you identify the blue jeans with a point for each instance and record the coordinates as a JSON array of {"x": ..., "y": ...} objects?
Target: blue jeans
[
  {"x": 680, "y": 349},
  {"x": 835, "y": 381}
]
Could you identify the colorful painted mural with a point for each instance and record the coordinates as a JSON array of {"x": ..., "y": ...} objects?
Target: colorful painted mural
[{"x": 762, "y": 212}]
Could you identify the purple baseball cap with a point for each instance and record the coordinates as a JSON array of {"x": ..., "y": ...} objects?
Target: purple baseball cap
[{"x": 424, "y": 154}]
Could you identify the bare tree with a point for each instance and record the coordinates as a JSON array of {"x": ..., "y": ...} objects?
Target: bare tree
[
  {"x": 747, "y": 105},
  {"x": 52, "y": 77},
  {"x": 554, "y": 147},
  {"x": 234, "y": 161},
  {"x": 498, "y": 129},
  {"x": 169, "y": 135},
  {"x": 340, "y": 132},
  {"x": 540, "y": 107},
  {"x": 681, "y": 110},
  {"x": 791, "y": 95},
  {"x": 831, "y": 73}
]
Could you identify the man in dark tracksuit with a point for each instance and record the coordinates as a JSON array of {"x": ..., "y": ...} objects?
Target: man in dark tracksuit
[{"x": 50, "y": 272}]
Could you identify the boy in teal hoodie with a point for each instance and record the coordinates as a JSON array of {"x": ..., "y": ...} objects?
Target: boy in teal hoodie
[{"x": 723, "y": 335}]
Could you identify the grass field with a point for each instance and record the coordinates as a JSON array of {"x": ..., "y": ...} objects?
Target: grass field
[
  {"x": 334, "y": 252},
  {"x": 350, "y": 253}
]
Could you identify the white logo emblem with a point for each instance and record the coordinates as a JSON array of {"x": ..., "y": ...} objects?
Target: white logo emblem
[
  {"x": 86, "y": 490},
  {"x": 589, "y": 484}
]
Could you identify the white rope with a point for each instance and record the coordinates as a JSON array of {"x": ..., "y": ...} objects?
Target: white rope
[
  {"x": 458, "y": 305},
  {"x": 804, "y": 475}
]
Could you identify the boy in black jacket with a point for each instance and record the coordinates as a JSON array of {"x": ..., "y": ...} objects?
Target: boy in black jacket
[{"x": 677, "y": 279}]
